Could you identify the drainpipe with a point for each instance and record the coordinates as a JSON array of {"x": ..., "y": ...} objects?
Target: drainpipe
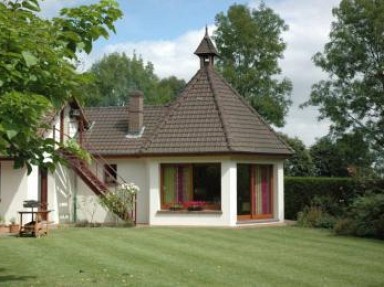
[{"x": 75, "y": 198}]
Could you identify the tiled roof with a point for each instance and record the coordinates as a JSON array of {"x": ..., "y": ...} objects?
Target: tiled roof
[
  {"x": 208, "y": 117},
  {"x": 206, "y": 46},
  {"x": 109, "y": 128}
]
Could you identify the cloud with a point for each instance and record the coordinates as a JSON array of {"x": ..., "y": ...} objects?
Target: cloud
[
  {"x": 309, "y": 26},
  {"x": 169, "y": 57}
]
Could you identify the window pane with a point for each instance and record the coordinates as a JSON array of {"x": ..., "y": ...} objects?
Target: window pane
[
  {"x": 207, "y": 183},
  {"x": 243, "y": 189},
  {"x": 190, "y": 183},
  {"x": 110, "y": 173},
  {"x": 169, "y": 184}
]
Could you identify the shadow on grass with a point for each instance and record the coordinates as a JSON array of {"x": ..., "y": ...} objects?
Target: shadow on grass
[{"x": 9, "y": 278}]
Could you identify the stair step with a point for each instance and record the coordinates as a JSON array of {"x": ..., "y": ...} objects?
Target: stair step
[{"x": 81, "y": 168}]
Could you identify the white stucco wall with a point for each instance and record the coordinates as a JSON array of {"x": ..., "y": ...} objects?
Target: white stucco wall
[
  {"x": 130, "y": 170},
  {"x": 280, "y": 186},
  {"x": 13, "y": 189},
  {"x": 228, "y": 215},
  {"x": 225, "y": 217},
  {"x": 135, "y": 171}
]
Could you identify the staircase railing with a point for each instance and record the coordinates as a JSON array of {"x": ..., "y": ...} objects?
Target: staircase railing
[{"x": 101, "y": 165}]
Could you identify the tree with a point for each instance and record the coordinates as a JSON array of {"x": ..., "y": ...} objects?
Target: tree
[
  {"x": 346, "y": 156},
  {"x": 353, "y": 95},
  {"x": 300, "y": 163},
  {"x": 169, "y": 88},
  {"x": 116, "y": 75},
  {"x": 250, "y": 46},
  {"x": 37, "y": 70}
]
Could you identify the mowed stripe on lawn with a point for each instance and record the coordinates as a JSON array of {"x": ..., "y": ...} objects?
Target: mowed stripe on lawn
[{"x": 164, "y": 256}]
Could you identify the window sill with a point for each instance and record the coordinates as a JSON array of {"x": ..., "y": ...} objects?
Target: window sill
[{"x": 189, "y": 212}]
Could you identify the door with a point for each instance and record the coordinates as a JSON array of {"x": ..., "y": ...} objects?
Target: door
[{"x": 254, "y": 191}]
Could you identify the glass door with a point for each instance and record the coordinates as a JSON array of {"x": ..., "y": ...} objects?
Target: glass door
[{"x": 254, "y": 191}]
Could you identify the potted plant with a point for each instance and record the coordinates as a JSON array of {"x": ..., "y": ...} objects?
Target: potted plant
[
  {"x": 3, "y": 227},
  {"x": 194, "y": 205},
  {"x": 175, "y": 206},
  {"x": 14, "y": 227}
]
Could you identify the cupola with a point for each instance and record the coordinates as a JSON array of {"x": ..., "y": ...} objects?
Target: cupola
[{"x": 206, "y": 51}]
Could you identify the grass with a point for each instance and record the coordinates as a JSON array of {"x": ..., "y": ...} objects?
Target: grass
[{"x": 268, "y": 256}]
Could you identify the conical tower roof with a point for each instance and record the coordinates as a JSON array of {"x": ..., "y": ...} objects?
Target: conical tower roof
[
  {"x": 211, "y": 117},
  {"x": 206, "y": 47}
]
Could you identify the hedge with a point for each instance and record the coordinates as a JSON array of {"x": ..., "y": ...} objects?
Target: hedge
[{"x": 300, "y": 191}]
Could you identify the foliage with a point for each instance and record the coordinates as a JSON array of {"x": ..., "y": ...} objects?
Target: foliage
[
  {"x": 300, "y": 192},
  {"x": 18, "y": 111},
  {"x": 365, "y": 217},
  {"x": 74, "y": 148},
  {"x": 116, "y": 75},
  {"x": 315, "y": 216},
  {"x": 194, "y": 205},
  {"x": 175, "y": 206},
  {"x": 168, "y": 89},
  {"x": 250, "y": 45},
  {"x": 37, "y": 59},
  {"x": 122, "y": 201},
  {"x": 300, "y": 163},
  {"x": 352, "y": 96},
  {"x": 348, "y": 155}
]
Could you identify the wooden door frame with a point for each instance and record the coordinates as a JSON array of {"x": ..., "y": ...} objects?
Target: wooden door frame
[{"x": 252, "y": 179}]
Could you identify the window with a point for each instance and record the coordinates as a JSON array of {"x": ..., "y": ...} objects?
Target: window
[
  {"x": 110, "y": 173},
  {"x": 191, "y": 186}
]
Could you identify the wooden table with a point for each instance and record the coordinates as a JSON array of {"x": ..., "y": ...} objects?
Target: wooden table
[{"x": 37, "y": 227}]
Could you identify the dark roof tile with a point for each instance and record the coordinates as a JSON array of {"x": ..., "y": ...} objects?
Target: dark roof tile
[{"x": 208, "y": 117}]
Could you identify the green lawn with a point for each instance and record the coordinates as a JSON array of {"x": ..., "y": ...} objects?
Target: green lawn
[{"x": 268, "y": 256}]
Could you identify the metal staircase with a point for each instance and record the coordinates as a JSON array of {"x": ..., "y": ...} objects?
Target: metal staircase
[{"x": 86, "y": 174}]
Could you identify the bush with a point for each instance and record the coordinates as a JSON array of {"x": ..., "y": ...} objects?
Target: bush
[
  {"x": 315, "y": 216},
  {"x": 344, "y": 226},
  {"x": 122, "y": 202},
  {"x": 365, "y": 217},
  {"x": 333, "y": 193}
]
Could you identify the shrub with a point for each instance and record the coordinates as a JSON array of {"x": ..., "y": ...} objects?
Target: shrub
[
  {"x": 344, "y": 226},
  {"x": 332, "y": 194},
  {"x": 365, "y": 217},
  {"x": 122, "y": 201},
  {"x": 315, "y": 216}
]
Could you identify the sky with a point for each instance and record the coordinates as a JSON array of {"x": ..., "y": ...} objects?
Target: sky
[{"x": 167, "y": 32}]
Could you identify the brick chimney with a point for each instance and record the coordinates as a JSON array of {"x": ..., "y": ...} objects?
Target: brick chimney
[{"x": 135, "y": 110}]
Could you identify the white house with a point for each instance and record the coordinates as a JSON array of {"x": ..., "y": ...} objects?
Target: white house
[{"x": 209, "y": 151}]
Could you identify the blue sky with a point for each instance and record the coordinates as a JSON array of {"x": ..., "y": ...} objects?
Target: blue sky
[{"x": 167, "y": 32}]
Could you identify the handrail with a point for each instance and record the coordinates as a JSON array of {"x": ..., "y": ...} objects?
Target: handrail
[{"x": 100, "y": 160}]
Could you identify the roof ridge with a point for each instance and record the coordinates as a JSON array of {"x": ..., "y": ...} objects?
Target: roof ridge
[
  {"x": 242, "y": 99},
  {"x": 123, "y": 107},
  {"x": 219, "y": 107},
  {"x": 167, "y": 115}
]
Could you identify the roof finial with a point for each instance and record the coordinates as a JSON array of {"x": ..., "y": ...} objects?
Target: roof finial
[{"x": 206, "y": 50}]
